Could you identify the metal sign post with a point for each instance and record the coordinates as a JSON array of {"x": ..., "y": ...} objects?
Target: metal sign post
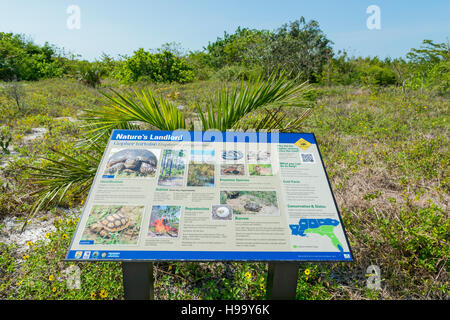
[
  {"x": 282, "y": 280},
  {"x": 138, "y": 280}
]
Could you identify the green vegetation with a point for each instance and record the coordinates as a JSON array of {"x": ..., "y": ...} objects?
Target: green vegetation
[
  {"x": 38, "y": 273},
  {"x": 162, "y": 66},
  {"x": 382, "y": 126},
  {"x": 299, "y": 47},
  {"x": 21, "y": 59},
  {"x": 385, "y": 153},
  {"x": 90, "y": 75},
  {"x": 200, "y": 175},
  {"x": 173, "y": 164},
  {"x": 4, "y": 144}
]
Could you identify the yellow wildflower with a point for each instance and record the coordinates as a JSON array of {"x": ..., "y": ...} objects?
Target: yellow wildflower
[
  {"x": 93, "y": 295},
  {"x": 54, "y": 289},
  {"x": 29, "y": 243},
  {"x": 25, "y": 257},
  {"x": 50, "y": 278},
  {"x": 248, "y": 275},
  {"x": 64, "y": 236},
  {"x": 103, "y": 294},
  {"x": 307, "y": 272}
]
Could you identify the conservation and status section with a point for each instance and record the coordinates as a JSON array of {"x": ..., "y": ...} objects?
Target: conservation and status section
[{"x": 191, "y": 195}]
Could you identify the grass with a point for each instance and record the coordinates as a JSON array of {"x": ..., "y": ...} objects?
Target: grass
[{"x": 386, "y": 155}]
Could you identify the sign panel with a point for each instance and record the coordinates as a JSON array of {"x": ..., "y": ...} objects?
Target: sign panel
[{"x": 183, "y": 195}]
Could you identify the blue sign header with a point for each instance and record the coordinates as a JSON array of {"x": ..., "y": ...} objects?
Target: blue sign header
[{"x": 210, "y": 136}]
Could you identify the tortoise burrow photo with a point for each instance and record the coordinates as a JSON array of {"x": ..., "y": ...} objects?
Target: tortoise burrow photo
[{"x": 245, "y": 202}]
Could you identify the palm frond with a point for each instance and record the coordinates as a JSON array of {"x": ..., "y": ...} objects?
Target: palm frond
[
  {"x": 233, "y": 104},
  {"x": 60, "y": 176},
  {"x": 275, "y": 119},
  {"x": 125, "y": 110}
]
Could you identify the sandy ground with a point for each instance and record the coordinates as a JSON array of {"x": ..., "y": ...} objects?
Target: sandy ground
[{"x": 34, "y": 231}]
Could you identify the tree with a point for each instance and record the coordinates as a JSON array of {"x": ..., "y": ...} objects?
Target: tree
[
  {"x": 243, "y": 47},
  {"x": 21, "y": 59},
  {"x": 426, "y": 58},
  {"x": 162, "y": 66},
  {"x": 299, "y": 47}
]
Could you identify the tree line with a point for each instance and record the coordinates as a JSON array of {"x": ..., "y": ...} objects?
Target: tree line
[{"x": 299, "y": 47}]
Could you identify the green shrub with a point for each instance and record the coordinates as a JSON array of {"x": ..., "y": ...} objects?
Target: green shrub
[
  {"x": 244, "y": 47},
  {"x": 108, "y": 65},
  {"x": 378, "y": 76},
  {"x": 163, "y": 66},
  {"x": 299, "y": 47},
  {"x": 201, "y": 64},
  {"x": 429, "y": 66},
  {"x": 15, "y": 92},
  {"x": 90, "y": 75},
  {"x": 4, "y": 144},
  {"x": 339, "y": 70},
  {"x": 439, "y": 77},
  {"x": 237, "y": 72},
  {"x": 21, "y": 59}
]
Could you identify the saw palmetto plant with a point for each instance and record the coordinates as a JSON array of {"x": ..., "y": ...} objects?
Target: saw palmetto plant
[
  {"x": 66, "y": 174},
  {"x": 142, "y": 109},
  {"x": 231, "y": 105}
]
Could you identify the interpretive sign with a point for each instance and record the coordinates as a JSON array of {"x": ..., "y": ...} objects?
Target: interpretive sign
[{"x": 191, "y": 195}]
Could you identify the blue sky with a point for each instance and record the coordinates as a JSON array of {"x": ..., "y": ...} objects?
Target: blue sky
[{"x": 120, "y": 27}]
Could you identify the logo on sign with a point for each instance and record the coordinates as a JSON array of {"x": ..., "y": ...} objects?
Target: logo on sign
[{"x": 303, "y": 144}]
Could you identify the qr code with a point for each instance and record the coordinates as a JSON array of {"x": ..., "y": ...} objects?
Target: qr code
[{"x": 307, "y": 157}]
